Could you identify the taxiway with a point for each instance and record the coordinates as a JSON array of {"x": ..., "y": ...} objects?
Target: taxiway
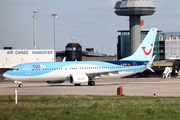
[{"x": 131, "y": 87}]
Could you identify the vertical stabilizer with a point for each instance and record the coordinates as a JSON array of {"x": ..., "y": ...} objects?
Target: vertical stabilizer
[{"x": 145, "y": 50}]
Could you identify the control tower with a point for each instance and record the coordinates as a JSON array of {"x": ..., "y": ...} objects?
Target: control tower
[{"x": 134, "y": 9}]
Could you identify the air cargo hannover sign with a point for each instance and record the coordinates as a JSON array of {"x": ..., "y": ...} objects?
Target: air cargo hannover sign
[
  {"x": 10, "y": 58},
  {"x": 26, "y": 52}
]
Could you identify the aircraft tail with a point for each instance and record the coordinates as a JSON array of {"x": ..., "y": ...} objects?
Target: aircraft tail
[{"x": 145, "y": 50}]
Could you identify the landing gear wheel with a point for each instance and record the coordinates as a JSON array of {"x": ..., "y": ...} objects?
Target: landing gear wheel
[
  {"x": 77, "y": 84},
  {"x": 91, "y": 83},
  {"x": 20, "y": 85}
]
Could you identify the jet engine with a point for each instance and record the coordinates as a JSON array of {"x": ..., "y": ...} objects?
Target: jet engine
[{"x": 78, "y": 78}]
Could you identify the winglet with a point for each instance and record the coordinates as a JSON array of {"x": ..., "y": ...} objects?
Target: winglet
[
  {"x": 64, "y": 59},
  {"x": 148, "y": 66}
]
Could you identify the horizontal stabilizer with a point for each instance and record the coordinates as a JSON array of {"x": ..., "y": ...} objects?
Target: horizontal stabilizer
[{"x": 149, "y": 68}]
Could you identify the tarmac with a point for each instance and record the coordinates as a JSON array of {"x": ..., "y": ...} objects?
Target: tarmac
[{"x": 131, "y": 87}]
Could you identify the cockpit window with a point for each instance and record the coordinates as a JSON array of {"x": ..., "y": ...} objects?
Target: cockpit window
[{"x": 15, "y": 69}]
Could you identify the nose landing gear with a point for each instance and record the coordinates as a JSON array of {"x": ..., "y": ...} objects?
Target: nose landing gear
[{"x": 20, "y": 85}]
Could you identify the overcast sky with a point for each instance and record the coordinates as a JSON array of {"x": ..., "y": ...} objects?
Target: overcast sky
[{"x": 92, "y": 23}]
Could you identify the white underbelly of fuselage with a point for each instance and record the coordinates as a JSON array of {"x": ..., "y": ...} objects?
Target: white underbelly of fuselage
[{"x": 52, "y": 76}]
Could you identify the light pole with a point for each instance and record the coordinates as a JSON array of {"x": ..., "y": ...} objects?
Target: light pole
[
  {"x": 54, "y": 15},
  {"x": 34, "y": 17}
]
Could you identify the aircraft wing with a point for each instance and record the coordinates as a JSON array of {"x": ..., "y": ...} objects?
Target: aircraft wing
[
  {"x": 148, "y": 66},
  {"x": 93, "y": 74}
]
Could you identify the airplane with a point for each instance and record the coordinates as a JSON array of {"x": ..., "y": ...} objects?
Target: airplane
[{"x": 80, "y": 72}]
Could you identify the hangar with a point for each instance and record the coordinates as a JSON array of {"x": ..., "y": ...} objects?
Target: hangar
[{"x": 12, "y": 57}]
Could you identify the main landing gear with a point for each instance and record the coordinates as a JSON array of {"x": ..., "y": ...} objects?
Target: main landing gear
[{"x": 91, "y": 83}]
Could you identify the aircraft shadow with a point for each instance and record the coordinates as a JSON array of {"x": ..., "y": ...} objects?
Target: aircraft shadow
[{"x": 70, "y": 85}]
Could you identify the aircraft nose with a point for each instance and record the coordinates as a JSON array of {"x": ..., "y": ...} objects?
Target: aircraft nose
[{"x": 6, "y": 75}]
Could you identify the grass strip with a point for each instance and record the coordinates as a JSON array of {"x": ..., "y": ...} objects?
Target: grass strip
[{"x": 89, "y": 107}]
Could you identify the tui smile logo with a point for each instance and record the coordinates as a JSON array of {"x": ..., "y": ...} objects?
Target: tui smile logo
[{"x": 147, "y": 53}]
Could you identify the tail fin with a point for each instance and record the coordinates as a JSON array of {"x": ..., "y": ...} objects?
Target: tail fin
[{"x": 145, "y": 50}]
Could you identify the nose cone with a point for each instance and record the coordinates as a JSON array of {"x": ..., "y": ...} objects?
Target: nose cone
[{"x": 5, "y": 75}]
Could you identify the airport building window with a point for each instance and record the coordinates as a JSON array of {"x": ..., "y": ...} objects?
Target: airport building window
[{"x": 73, "y": 48}]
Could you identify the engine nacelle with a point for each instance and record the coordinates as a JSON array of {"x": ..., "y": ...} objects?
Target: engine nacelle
[
  {"x": 78, "y": 78},
  {"x": 52, "y": 82}
]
